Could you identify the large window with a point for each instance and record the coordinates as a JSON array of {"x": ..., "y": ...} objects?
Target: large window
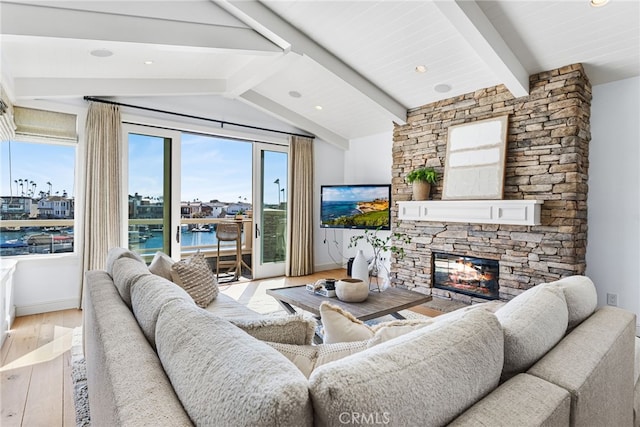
[
  {"x": 215, "y": 183},
  {"x": 182, "y": 185},
  {"x": 37, "y": 197}
]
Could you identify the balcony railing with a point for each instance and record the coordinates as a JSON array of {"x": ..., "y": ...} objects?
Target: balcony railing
[{"x": 203, "y": 240}]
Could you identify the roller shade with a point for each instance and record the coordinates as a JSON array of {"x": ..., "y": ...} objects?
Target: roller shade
[{"x": 46, "y": 124}]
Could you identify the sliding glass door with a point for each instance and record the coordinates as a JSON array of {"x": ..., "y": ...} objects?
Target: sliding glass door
[
  {"x": 182, "y": 185},
  {"x": 153, "y": 220},
  {"x": 271, "y": 216}
]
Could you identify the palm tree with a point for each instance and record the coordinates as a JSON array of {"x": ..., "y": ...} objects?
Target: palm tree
[
  {"x": 16, "y": 181},
  {"x": 21, "y": 187},
  {"x": 49, "y": 184}
]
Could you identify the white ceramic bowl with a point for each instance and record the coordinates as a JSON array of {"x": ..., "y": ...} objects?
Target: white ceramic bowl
[{"x": 352, "y": 290}]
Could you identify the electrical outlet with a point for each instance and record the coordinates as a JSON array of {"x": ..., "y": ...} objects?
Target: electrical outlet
[{"x": 612, "y": 299}]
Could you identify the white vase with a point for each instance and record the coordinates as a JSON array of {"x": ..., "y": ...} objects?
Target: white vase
[{"x": 360, "y": 268}]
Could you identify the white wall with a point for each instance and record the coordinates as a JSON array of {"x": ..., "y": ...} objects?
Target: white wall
[
  {"x": 613, "y": 247},
  {"x": 329, "y": 162},
  {"x": 367, "y": 161},
  {"x": 46, "y": 283}
]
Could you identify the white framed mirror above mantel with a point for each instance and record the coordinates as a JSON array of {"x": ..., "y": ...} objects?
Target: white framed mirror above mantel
[{"x": 508, "y": 212}]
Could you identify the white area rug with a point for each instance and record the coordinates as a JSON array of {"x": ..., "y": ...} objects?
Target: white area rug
[{"x": 79, "y": 380}]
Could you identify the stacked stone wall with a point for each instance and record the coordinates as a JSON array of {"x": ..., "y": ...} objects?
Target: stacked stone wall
[{"x": 547, "y": 160}]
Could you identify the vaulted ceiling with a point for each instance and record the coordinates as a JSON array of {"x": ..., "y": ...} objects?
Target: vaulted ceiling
[{"x": 337, "y": 69}]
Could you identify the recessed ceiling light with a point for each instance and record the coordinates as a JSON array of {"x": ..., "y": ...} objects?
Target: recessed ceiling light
[
  {"x": 148, "y": 62},
  {"x": 421, "y": 68},
  {"x": 318, "y": 107},
  {"x": 101, "y": 53},
  {"x": 598, "y": 3},
  {"x": 442, "y": 88},
  {"x": 295, "y": 94}
]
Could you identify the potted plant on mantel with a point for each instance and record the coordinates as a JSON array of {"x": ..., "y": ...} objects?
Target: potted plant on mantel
[{"x": 422, "y": 179}]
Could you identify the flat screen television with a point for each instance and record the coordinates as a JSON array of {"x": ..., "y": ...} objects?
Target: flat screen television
[{"x": 359, "y": 206}]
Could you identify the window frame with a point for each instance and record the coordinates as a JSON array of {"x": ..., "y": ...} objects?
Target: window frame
[{"x": 78, "y": 201}]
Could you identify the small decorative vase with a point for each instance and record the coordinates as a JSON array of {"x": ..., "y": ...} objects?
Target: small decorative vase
[
  {"x": 352, "y": 290},
  {"x": 360, "y": 268}
]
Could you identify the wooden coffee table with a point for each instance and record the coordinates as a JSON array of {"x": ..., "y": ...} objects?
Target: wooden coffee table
[{"x": 378, "y": 304}]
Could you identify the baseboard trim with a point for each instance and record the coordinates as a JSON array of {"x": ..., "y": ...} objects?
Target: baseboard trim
[
  {"x": 331, "y": 266},
  {"x": 46, "y": 307}
]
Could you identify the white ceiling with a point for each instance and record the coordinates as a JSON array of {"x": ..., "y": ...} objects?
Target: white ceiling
[{"x": 355, "y": 59}]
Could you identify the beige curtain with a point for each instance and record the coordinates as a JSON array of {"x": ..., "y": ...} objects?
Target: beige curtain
[
  {"x": 103, "y": 198},
  {"x": 300, "y": 234}
]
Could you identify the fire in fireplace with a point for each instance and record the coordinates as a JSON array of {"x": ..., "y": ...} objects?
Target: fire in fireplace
[{"x": 467, "y": 275}]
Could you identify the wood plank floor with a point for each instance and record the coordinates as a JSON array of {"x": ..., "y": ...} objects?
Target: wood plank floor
[
  {"x": 35, "y": 382},
  {"x": 35, "y": 361}
]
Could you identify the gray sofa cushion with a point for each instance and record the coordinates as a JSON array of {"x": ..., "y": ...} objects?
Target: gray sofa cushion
[
  {"x": 126, "y": 382},
  {"x": 524, "y": 400},
  {"x": 424, "y": 378},
  {"x": 581, "y": 297},
  {"x": 115, "y": 254},
  {"x": 126, "y": 272},
  {"x": 150, "y": 293},
  {"x": 229, "y": 309},
  {"x": 594, "y": 362},
  {"x": 533, "y": 322},
  {"x": 223, "y": 376}
]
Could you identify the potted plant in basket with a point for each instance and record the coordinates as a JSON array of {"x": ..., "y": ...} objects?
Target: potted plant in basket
[
  {"x": 422, "y": 179},
  {"x": 381, "y": 245}
]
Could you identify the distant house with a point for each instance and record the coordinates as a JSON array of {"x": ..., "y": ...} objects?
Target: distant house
[
  {"x": 145, "y": 207},
  {"x": 13, "y": 207},
  {"x": 191, "y": 209},
  {"x": 215, "y": 208},
  {"x": 55, "y": 207},
  {"x": 234, "y": 208}
]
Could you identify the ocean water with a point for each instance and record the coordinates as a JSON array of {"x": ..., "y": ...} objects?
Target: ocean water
[
  {"x": 336, "y": 209},
  {"x": 151, "y": 241}
]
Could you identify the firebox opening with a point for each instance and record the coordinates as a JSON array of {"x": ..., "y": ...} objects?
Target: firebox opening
[{"x": 467, "y": 275}]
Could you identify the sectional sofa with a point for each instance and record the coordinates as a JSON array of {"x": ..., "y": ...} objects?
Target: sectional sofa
[{"x": 549, "y": 357}]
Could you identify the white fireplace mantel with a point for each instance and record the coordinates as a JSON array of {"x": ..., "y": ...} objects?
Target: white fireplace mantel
[{"x": 510, "y": 212}]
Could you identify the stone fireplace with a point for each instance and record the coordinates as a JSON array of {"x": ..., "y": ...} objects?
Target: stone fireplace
[
  {"x": 547, "y": 161},
  {"x": 466, "y": 275}
]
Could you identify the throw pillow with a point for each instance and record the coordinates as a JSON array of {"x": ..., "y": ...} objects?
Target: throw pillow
[
  {"x": 194, "y": 275},
  {"x": 390, "y": 330},
  {"x": 294, "y": 329},
  {"x": 308, "y": 357},
  {"x": 341, "y": 326},
  {"x": 161, "y": 265}
]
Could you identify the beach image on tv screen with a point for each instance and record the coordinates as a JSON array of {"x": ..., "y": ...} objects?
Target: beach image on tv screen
[{"x": 355, "y": 206}]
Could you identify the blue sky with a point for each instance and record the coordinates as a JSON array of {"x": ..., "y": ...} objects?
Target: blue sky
[
  {"x": 354, "y": 193},
  {"x": 40, "y": 163},
  {"x": 212, "y": 168}
]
